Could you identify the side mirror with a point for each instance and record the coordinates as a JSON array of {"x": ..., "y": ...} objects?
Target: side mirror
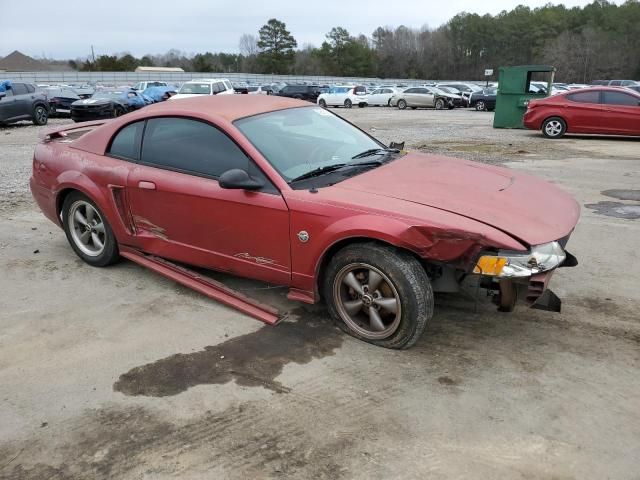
[{"x": 237, "y": 178}]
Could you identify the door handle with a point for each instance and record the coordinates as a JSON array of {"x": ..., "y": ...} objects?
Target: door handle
[{"x": 144, "y": 185}]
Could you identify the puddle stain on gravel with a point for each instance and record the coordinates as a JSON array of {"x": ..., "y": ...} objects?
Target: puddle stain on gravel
[
  {"x": 616, "y": 209},
  {"x": 252, "y": 360},
  {"x": 621, "y": 194}
]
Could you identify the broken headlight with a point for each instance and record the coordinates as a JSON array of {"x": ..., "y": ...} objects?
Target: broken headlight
[{"x": 515, "y": 264}]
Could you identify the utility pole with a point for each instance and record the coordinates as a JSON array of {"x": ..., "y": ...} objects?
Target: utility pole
[{"x": 93, "y": 55}]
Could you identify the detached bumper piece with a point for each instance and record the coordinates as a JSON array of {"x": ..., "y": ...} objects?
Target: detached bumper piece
[
  {"x": 204, "y": 285},
  {"x": 534, "y": 293}
]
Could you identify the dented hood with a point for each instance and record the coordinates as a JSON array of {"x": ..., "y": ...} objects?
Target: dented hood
[{"x": 525, "y": 207}]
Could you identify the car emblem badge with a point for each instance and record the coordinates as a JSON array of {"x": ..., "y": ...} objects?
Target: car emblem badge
[{"x": 303, "y": 236}]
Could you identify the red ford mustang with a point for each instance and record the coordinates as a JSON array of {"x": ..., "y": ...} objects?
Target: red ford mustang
[
  {"x": 274, "y": 189},
  {"x": 600, "y": 110}
]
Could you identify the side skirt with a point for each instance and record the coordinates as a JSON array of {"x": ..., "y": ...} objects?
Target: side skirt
[{"x": 206, "y": 286}]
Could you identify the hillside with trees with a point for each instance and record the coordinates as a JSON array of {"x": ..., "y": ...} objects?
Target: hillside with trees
[{"x": 600, "y": 40}]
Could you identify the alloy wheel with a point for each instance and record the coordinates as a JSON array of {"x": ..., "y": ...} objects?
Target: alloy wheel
[
  {"x": 87, "y": 228},
  {"x": 553, "y": 128},
  {"x": 367, "y": 301},
  {"x": 41, "y": 115}
]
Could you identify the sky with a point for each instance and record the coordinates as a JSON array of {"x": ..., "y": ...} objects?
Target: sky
[{"x": 68, "y": 29}]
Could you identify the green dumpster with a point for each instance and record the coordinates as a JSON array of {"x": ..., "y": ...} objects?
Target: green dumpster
[{"x": 515, "y": 89}]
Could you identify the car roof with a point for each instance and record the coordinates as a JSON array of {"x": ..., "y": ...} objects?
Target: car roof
[
  {"x": 206, "y": 80},
  {"x": 209, "y": 107}
]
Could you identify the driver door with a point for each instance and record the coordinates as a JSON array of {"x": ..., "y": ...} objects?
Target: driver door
[{"x": 181, "y": 213}]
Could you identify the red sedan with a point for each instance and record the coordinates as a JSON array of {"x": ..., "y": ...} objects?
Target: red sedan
[
  {"x": 274, "y": 189},
  {"x": 600, "y": 110}
]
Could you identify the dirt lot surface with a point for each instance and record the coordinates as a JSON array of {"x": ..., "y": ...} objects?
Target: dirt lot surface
[{"x": 119, "y": 373}]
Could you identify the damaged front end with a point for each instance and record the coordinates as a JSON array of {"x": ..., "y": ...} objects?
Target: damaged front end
[{"x": 524, "y": 276}]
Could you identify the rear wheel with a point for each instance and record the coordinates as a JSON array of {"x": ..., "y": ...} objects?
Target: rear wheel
[
  {"x": 347, "y": 103},
  {"x": 402, "y": 104},
  {"x": 88, "y": 231},
  {"x": 322, "y": 103},
  {"x": 378, "y": 294},
  {"x": 554, "y": 127},
  {"x": 40, "y": 115}
]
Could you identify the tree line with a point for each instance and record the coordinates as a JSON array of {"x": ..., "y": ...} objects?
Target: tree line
[{"x": 600, "y": 40}]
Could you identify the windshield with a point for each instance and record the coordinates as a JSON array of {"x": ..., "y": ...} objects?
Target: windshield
[
  {"x": 196, "y": 88},
  {"x": 298, "y": 140}
]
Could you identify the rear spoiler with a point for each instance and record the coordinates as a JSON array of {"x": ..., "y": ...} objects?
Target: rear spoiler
[{"x": 61, "y": 132}]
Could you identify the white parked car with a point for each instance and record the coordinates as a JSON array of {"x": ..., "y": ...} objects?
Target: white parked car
[
  {"x": 344, "y": 96},
  {"x": 382, "y": 96},
  {"x": 142, "y": 86},
  {"x": 204, "y": 86},
  {"x": 258, "y": 90}
]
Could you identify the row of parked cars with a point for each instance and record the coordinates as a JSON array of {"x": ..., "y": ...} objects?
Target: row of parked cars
[{"x": 25, "y": 101}]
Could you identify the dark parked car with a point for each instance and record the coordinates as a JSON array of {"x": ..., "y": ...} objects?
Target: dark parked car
[
  {"x": 599, "y": 110},
  {"x": 60, "y": 99},
  {"x": 301, "y": 92},
  {"x": 20, "y": 101},
  {"x": 106, "y": 104},
  {"x": 240, "y": 87},
  {"x": 483, "y": 100}
]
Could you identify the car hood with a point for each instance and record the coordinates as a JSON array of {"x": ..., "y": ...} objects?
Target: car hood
[
  {"x": 88, "y": 102},
  {"x": 527, "y": 208}
]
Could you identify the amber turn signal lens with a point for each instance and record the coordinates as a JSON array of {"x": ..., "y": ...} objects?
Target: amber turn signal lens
[{"x": 490, "y": 265}]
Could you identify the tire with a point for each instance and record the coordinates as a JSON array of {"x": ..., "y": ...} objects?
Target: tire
[
  {"x": 439, "y": 105},
  {"x": 414, "y": 108},
  {"x": 52, "y": 111},
  {"x": 481, "y": 106},
  {"x": 322, "y": 103},
  {"x": 362, "y": 105},
  {"x": 389, "y": 103},
  {"x": 402, "y": 104},
  {"x": 118, "y": 111},
  {"x": 40, "y": 115},
  {"x": 347, "y": 103},
  {"x": 402, "y": 284},
  {"x": 554, "y": 127},
  {"x": 95, "y": 223}
]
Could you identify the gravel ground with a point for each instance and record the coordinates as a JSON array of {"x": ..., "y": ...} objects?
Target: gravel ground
[{"x": 120, "y": 373}]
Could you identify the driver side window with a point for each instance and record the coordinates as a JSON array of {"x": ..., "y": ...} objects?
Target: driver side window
[
  {"x": 193, "y": 147},
  {"x": 190, "y": 146}
]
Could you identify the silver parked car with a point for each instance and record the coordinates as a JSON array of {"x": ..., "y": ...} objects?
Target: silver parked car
[{"x": 420, "y": 97}]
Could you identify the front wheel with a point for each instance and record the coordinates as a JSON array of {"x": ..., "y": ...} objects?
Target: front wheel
[
  {"x": 40, "y": 115},
  {"x": 554, "y": 127},
  {"x": 480, "y": 106},
  {"x": 378, "y": 294},
  {"x": 402, "y": 104},
  {"x": 322, "y": 103},
  {"x": 439, "y": 104},
  {"x": 88, "y": 231}
]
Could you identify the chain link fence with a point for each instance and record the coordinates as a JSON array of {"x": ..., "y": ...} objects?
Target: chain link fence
[{"x": 124, "y": 78}]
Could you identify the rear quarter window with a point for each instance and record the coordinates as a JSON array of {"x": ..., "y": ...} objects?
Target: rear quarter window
[{"x": 126, "y": 143}]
